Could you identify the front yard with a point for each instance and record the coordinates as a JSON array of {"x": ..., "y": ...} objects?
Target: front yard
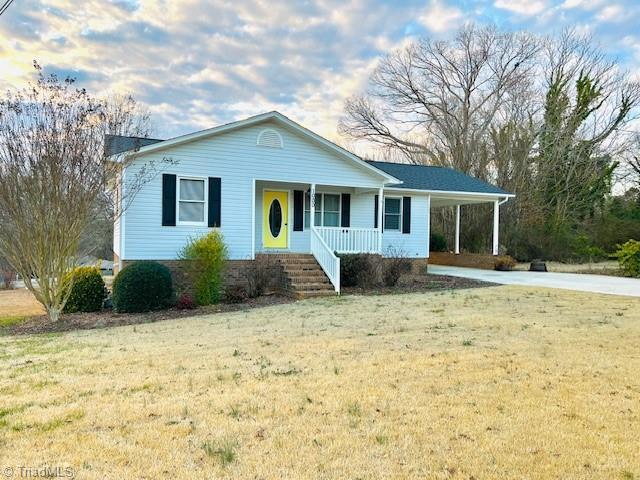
[{"x": 498, "y": 382}]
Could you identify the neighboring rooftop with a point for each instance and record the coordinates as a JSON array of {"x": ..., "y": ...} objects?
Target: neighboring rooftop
[
  {"x": 114, "y": 144},
  {"x": 425, "y": 177}
]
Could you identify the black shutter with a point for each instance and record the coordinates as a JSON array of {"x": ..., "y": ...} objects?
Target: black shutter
[
  {"x": 168, "y": 200},
  {"x": 345, "y": 221},
  {"x": 406, "y": 214},
  {"x": 375, "y": 212},
  {"x": 215, "y": 202},
  {"x": 298, "y": 210}
]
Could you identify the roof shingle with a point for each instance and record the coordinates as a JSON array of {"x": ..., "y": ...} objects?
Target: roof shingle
[
  {"x": 114, "y": 144},
  {"x": 426, "y": 177}
]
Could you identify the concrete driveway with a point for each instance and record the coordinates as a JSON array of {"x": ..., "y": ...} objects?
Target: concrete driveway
[{"x": 570, "y": 281}]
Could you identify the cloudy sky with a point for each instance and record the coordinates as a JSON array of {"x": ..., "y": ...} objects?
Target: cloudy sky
[{"x": 197, "y": 64}]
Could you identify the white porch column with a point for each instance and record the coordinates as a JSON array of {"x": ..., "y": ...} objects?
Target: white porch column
[
  {"x": 496, "y": 226},
  {"x": 312, "y": 205},
  {"x": 457, "y": 250},
  {"x": 380, "y": 216}
]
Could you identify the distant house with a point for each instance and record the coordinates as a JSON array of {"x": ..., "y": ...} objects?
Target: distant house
[{"x": 272, "y": 186}]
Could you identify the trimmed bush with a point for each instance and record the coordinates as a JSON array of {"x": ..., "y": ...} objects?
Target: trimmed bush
[
  {"x": 207, "y": 256},
  {"x": 437, "y": 242},
  {"x": 628, "y": 255},
  {"x": 87, "y": 290},
  {"x": 357, "y": 270},
  {"x": 142, "y": 287}
]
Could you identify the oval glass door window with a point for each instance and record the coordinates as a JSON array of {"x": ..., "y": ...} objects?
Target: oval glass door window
[{"x": 275, "y": 218}]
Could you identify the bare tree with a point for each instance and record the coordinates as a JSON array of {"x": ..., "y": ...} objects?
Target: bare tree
[
  {"x": 541, "y": 117},
  {"x": 53, "y": 171},
  {"x": 436, "y": 101}
]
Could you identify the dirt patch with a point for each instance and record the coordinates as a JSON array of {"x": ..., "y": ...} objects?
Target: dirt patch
[
  {"x": 420, "y": 283},
  {"x": 104, "y": 319}
]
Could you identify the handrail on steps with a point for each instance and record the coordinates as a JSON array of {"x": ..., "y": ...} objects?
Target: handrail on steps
[{"x": 328, "y": 261}]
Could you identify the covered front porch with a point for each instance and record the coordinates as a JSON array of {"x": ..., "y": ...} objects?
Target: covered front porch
[
  {"x": 318, "y": 219},
  {"x": 288, "y": 216}
]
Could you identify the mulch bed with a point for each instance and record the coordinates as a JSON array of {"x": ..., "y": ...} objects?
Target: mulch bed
[
  {"x": 104, "y": 319},
  {"x": 420, "y": 283}
]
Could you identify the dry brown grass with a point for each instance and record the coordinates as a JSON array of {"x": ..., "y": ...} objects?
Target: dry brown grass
[
  {"x": 606, "y": 267},
  {"x": 501, "y": 382},
  {"x": 18, "y": 303}
]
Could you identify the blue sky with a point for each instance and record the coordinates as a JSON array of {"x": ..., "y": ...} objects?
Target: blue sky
[{"x": 197, "y": 64}]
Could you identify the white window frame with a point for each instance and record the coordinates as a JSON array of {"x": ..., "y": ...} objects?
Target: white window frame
[
  {"x": 206, "y": 201},
  {"x": 320, "y": 209},
  {"x": 384, "y": 214}
]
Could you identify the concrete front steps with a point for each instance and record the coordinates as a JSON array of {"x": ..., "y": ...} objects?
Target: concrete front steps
[{"x": 304, "y": 276}]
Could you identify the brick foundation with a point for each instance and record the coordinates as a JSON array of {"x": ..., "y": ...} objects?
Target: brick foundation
[
  {"x": 236, "y": 274},
  {"x": 470, "y": 260}
]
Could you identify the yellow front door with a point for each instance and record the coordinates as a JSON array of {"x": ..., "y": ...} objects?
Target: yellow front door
[{"x": 275, "y": 214}]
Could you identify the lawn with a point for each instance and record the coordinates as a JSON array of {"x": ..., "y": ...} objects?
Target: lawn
[
  {"x": 16, "y": 305},
  {"x": 498, "y": 382}
]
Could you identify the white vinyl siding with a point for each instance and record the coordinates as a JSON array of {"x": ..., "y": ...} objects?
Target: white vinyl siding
[
  {"x": 412, "y": 244},
  {"x": 234, "y": 157}
]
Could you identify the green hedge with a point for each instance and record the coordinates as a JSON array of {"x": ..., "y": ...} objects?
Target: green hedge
[
  {"x": 142, "y": 287},
  {"x": 87, "y": 290},
  {"x": 437, "y": 242},
  {"x": 628, "y": 255}
]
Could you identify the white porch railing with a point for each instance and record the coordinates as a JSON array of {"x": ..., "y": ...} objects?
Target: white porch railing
[
  {"x": 326, "y": 258},
  {"x": 351, "y": 240}
]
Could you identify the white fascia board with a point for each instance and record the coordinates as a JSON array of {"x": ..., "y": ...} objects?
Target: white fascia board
[{"x": 449, "y": 193}]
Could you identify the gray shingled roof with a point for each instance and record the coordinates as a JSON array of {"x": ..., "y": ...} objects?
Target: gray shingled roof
[
  {"x": 114, "y": 144},
  {"x": 424, "y": 177}
]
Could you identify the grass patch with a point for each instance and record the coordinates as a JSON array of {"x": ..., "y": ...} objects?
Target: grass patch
[
  {"x": 548, "y": 395},
  {"x": 224, "y": 451},
  {"x": 11, "y": 320}
]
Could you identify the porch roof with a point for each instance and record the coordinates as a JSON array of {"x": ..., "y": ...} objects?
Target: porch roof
[{"x": 429, "y": 178}]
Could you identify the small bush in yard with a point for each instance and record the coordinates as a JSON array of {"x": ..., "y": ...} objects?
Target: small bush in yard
[
  {"x": 263, "y": 273},
  {"x": 186, "y": 302},
  {"x": 235, "y": 294},
  {"x": 628, "y": 255},
  {"x": 87, "y": 290},
  {"x": 357, "y": 270},
  {"x": 207, "y": 256},
  {"x": 142, "y": 287},
  {"x": 393, "y": 267},
  {"x": 504, "y": 263}
]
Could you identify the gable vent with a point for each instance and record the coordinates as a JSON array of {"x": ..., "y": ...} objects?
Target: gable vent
[{"x": 269, "y": 138}]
